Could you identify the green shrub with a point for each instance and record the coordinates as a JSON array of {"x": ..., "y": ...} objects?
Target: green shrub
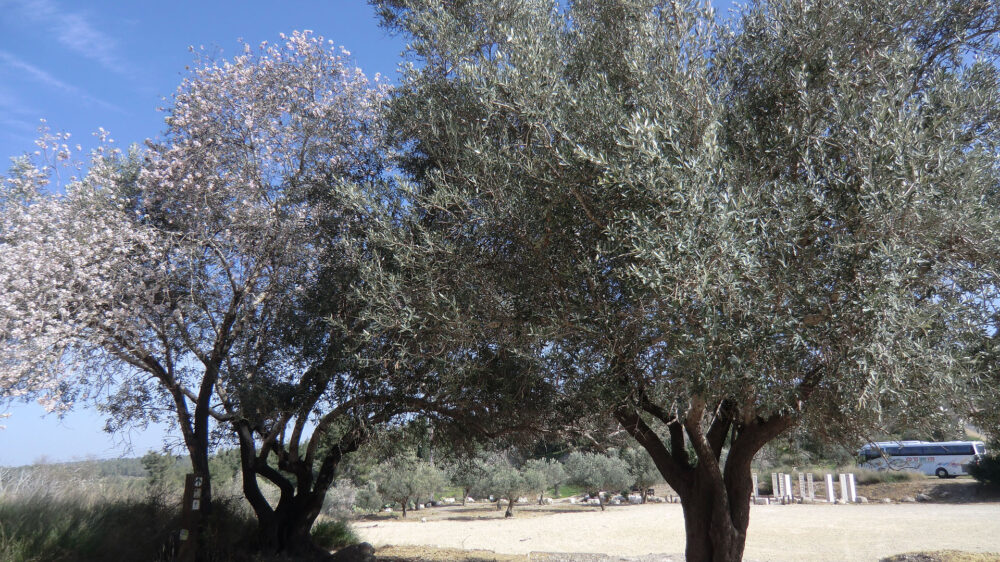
[
  {"x": 986, "y": 470},
  {"x": 331, "y": 534}
]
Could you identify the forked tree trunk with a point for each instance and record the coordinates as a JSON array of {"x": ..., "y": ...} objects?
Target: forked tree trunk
[
  {"x": 510, "y": 507},
  {"x": 715, "y": 527},
  {"x": 286, "y": 527},
  {"x": 289, "y": 529},
  {"x": 715, "y": 497},
  {"x": 600, "y": 500}
]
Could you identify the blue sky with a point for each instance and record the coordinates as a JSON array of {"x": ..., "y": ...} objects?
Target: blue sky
[{"x": 100, "y": 63}]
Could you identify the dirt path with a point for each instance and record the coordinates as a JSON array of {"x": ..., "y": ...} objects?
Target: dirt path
[{"x": 780, "y": 533}]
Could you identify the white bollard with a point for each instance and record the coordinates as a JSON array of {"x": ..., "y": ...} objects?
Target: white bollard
[
  {"x": 812, "y": 486},
  {"x": 852, "y": 491},
  {"x": 843, "y": 488},
  {"x": 788, "y": 486},
  {"x": 802, "y": 486},
  {"x": 775, "y": 487},
  {"x": 830, "y": 495},
  {"x": 754, "y": 477}
]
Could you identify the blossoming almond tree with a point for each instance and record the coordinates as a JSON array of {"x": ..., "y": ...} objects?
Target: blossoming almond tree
[
  {"x": 197, "y": 280},
  {"x": 71, "y": 263}
]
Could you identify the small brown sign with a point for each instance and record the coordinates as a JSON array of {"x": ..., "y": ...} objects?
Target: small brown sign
[{"x": 190, "y": 515}]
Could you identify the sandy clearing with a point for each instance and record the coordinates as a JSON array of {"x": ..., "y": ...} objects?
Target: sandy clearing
[{"x": 779, "y": 533}]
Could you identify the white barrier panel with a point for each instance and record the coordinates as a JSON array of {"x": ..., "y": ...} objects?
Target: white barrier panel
[
  {"x": 775, "y": 487},
  {"x": 754, "y": 477},
  {"x": 812, "y": 487},
  {"x": 788, "y": 486},
  {"x": 802, "y": 486},
  {"x": 830, "y": 495},
  {"x": 844, "y": 497},
  {"x": 852, "y": 492}
]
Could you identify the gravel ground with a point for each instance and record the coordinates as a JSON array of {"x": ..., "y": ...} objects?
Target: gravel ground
[{"x": 656, "y": 532}]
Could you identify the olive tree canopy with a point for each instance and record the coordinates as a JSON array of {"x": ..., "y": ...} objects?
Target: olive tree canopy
[{"x": 707, "y": 233}]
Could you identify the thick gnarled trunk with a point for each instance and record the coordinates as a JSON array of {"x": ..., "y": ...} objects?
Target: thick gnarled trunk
[
  {"x": 285, "y": 528},
  {"x": 715, "y": 528},
  {"x": 715, "y": 497}
]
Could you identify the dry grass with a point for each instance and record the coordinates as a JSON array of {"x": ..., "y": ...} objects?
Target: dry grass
[{"x": 944, "y": 556}]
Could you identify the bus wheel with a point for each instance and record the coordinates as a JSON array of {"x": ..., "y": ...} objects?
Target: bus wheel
[{"x": 941, "y": 473}]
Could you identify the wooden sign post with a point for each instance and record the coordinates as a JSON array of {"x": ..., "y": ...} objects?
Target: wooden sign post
[{"x": 190, "y": 517}]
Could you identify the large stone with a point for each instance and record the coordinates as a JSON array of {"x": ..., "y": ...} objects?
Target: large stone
[
  {"x": 923, "y": 498},
  {"x": 361, "y": 552}
]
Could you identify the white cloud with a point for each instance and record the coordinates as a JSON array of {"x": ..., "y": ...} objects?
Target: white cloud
[
  {"x": 73, "y": 30},
  {"x": 44, "y": 78}
]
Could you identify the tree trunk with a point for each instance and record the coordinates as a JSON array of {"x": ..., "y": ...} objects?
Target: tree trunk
[
  {"x": 541, "y": 498},
  {"x": 644, "y": 493},
  {"x": 510, "y": 507},
  {"x": 404, "y": 508},
  {"x": 715, "y": 527},
  {"x": 715, "y": 497},
  {"x": 600, "y": 500},
  {"x": 288, "y": 529}
]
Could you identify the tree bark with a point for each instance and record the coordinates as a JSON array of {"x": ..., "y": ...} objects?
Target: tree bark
[
  {"x": 715, "y": 499},
  {"x": 715, "y": 528}
]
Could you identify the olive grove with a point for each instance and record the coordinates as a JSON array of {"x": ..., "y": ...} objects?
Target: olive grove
[{"x": 709, "y": 233}]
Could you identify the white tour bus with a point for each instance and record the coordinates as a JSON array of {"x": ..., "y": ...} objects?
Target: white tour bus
[{"x": 944, "y": 459}]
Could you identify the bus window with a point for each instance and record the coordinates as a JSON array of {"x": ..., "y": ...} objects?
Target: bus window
[{"x": 980, "y": 449}]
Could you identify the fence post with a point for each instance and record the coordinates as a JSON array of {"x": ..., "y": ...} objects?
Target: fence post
[{"x": 830, "y": 495}]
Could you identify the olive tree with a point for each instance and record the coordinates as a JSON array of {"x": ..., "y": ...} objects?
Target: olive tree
[
  {"x": 641, "y": 469},
  {"x": 502, "y": 480},
  {"x": 598, "y": 473},
  {"x": 543, "y": 474},
  {"x": 405, "y": 479},
  {"x": 709, "y": 234}
]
